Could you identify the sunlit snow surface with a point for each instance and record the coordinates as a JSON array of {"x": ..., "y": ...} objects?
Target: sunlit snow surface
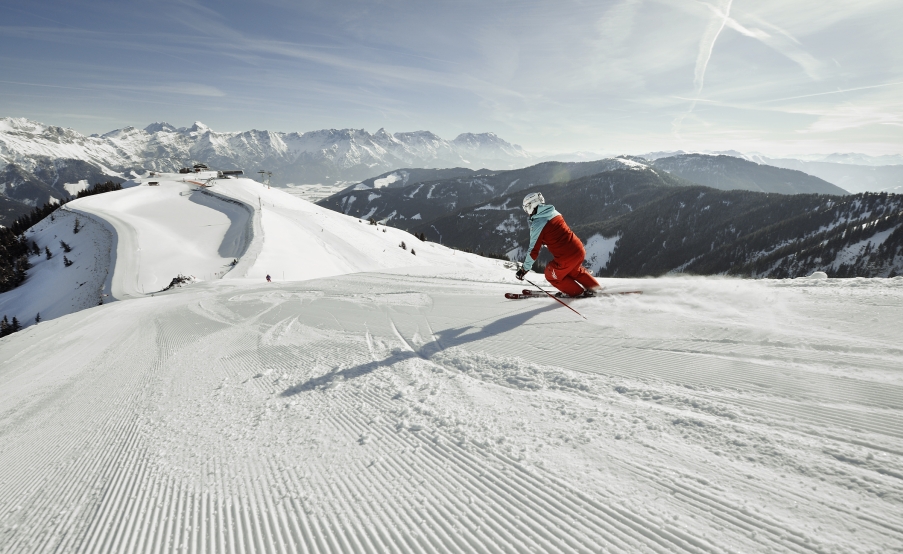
[{"x": 414, "y": 409}]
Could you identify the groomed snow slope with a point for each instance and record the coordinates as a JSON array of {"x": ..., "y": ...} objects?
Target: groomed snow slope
[
  {"x": 163, "y": 231},
  {"x": 294, "y": 239},
  {"x": 395, "y": 402},
  {"x": 416, "y": 410},
  {"x": 53, "y": 290},
  {"x": 178, "y": 228}
]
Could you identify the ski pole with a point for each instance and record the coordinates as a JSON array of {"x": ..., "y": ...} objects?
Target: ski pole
[{"x": 555, "y": 298}]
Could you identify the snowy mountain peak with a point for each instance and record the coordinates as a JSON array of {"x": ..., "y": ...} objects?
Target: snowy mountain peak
[
  {"x": 160, "y": 127},
  {"x": 489, "y": 142},
  {"x": 12, "y": 124},
  {"x": 121, "y": 133},
  {"x": 479, "y": 138},
  {"x": 198, "y": 127},
  {"x": 863, "y": 159},
  {"x": 419, "y": 135}
]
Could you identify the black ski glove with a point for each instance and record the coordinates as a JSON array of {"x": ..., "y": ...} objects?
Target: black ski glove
[{"x": 520, "y": 274}]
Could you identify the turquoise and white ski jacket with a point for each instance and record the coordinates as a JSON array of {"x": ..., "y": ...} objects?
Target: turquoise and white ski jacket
[{"x": 544, "y": 213}]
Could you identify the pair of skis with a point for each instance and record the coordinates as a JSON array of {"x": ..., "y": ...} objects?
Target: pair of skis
[{"x": 530, "y": 293}]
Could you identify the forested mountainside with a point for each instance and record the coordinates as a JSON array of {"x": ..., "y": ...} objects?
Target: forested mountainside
[
  {"x": 412, "y": 176},
  {"x": 425, "y": 201},
  {"x": 44, "y": 180},
  {"x": 866, "y": 240},
  {"x": 703, "y": 231},
  {"x": 10, "y": 210},
  {"x": 499, "y": 225},
  {"x": 639, "y": 222},
  {"x": 731, "y": 173},
  {"x": 425, "y": 194}
]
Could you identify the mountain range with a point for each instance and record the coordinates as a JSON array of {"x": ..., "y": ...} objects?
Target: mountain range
[
  {"x": 426, "y": 194},
  {"x": 733, "y": 173},
  {"x": 853, "y": 172},
  {"x": 637, "y": 219},
  {"x": 40, "y": 162},
  {"x": 43, "y": 163}
]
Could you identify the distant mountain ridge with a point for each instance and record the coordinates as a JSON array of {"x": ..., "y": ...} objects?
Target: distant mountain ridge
[
  {"x": 733, "y": 173},
  {"x": 411, "y": 194},
  {"x": 850, "y": 158},
  {"x": 852, "y": 177},
  {"x": 852, "y": 172},
  {"x": 34, "y": 157},
  {"x": 634, "y": 224},
  {"x": 637, "y": 219}
]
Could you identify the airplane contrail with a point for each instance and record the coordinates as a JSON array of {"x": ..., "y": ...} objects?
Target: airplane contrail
[{"x": 831, "y": 92}]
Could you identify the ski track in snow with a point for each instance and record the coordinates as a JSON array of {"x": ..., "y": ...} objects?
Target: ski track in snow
[{"x": 413, "y": 409}]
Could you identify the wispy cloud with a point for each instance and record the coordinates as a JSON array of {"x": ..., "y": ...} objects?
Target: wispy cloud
[
  {"x": 854, "y": 117},
  {"x": 720, "y": 16},
  {"x": 190, "y": 89},
  {"x": 782, "y": 42},
  {"x": 44, "y": 85},
  {"x": 564, "y": 75}
]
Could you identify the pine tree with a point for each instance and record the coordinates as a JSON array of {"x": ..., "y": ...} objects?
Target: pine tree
[
  {"x": 66, "y": 247},
  {"x": 67, "y": 262},
  {"x": 37, "y": 318},
  {"x": 403, "y": 246},
  {"x": 15, "y": 325},
  {"x": 47, "y": 253},
  {"x": 22, "y": 267},
  {"x": 77, "y": 228},
  {"x": 4, "y": 327},
  {"x": 34, "y": 248}
]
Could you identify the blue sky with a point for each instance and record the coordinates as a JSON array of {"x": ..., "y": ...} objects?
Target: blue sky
[{"x": 630, "y": 76}]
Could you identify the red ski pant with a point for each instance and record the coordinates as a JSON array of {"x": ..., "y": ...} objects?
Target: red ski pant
[{"x": 569, "y": 276}]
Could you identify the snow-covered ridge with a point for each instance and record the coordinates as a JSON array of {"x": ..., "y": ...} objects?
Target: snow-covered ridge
[{"x": 133, "y": 242}]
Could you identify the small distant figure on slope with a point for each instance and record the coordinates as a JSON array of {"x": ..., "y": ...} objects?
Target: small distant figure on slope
[
  {"x": 547, "y": 227},
  {"x": 269, "y": 280}
]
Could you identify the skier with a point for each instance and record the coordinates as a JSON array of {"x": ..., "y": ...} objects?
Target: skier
[
  {"x": 268, "y": 279},
  {"x": 565, "y": 272}
]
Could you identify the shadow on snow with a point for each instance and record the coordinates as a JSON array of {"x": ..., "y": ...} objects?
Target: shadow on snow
[{"x": 448, "y": 338}]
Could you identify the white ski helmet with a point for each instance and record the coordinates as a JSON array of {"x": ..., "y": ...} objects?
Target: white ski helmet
[{"x": 532, "y": 200}]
